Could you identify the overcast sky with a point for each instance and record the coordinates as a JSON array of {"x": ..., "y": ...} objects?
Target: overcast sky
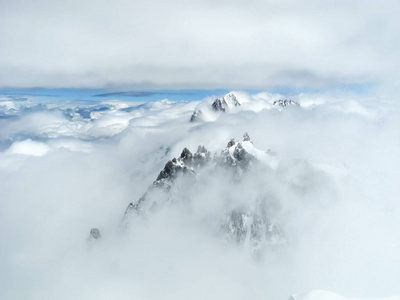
[{"x": 200, "y": 44}]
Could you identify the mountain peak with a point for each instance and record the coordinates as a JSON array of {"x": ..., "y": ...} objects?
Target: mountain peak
[
  {"x": 284, "y": 103},
  {"x": 225, "y": 103},
  {"x": 231, "y": 143},
  {"x": 238, "y": 223},
  {"x": 246, "y": 137},
  {"x": 231, "y": 100},
  {"x": 220, "y": 105}
]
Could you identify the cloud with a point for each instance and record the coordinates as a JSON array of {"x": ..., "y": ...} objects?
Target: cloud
[
  {"x": 142, "y": 94},
  {"x": 28, "y": 147},
  {"x": 198, "y": 44},
  {"x": 334, "y": 192}
]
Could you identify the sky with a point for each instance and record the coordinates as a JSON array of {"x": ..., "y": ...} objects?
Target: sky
[{"x": 137, "y": 45}]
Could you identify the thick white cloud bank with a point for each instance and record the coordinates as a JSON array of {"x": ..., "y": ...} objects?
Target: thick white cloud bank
[
  {"x": 198, "y": 44},
  {"x": 66, "y": 167}
]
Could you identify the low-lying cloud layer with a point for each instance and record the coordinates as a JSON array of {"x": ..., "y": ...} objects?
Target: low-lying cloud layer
[
  {"x": 198, "y": 44},
  {"x": 66, "y": 167}
]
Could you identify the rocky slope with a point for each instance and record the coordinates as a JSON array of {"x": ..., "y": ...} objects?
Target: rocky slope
[
  {"x": 220, "y": 105},
  {"x": 230, "y": 103},
  {"x": 246, "y": 223},
  {"x": 245, "y": 190},
  {"x": 284, "y": 103}
]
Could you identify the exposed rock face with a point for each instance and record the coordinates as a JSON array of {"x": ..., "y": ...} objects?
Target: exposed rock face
[
  {"x": 94, "y": 234},
  {"x": 171, "y": 169},
  {"x": 196, "y": 116},
  {"x": 248, "y": 224},
  {"x": 230, "y": 104},
  {"x": 230, "y": 143},
  {"x": 185, "y": 164},
  {"x": 221, "y": 105},
  {"x": 218, "y": 105},
  {"x": 284, "y": 103},
  {"x": 246, "y": 137},
  {"x": 253, "y": 226},
  {"x": 227, "y": 102},
  {"x": 236, "y": 155},
  {"x": 201, "y": 157}
]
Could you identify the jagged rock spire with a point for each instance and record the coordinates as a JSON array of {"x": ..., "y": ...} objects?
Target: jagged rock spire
[
  {"x": 196, "y": 116},
  {"x": 284, "y": 103},
  {"x": 219, "y": 105},
  {"x": 231, "y": 143},
  {"x": 186, "y": 154},
  {"x": 246, "y": 137},
  {"x": 247, "y": 223}
]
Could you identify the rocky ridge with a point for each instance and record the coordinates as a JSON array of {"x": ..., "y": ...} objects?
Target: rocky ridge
[
  {"x": 244, "y": 224},
  {"x": 220, "y": 105},
  {"x": 284, "y": 103}
]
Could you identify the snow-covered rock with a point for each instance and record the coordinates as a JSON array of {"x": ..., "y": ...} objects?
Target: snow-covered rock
[
  {"x": 244, "y": 209},
  {"x": 210, "y": 109},
  {"x": 219, "y": 105},
  {"x": 247, "y": 223},
  {"x": 284, "y": 103}
]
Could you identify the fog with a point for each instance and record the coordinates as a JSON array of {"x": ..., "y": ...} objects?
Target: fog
[{"x": 69, "y": 166}]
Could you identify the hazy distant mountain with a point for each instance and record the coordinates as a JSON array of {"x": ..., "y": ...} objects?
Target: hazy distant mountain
[
  {"x": 220, "y": 105},
  {"x": 231, "y": 103},
  {"x": 284, "y": 103}
]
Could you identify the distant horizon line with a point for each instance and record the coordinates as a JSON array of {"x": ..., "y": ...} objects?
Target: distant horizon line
[{"x": 171, "y": 94}]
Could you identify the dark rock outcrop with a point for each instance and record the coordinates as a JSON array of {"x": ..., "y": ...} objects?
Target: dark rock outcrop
[
  {"x": 227, "y": 102},
  {"x": 220, "y": 105},
  {"x": 94, "y": 234},
  {"x": 196, "y": 116},
  {"x": 240, "y": 224},
  {"x": 284, "y": 103}
]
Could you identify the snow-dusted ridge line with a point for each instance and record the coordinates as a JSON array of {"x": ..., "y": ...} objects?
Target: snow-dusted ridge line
[
  {"x": 231, "y": 103},
  {"x": 220, "y": 105},
  {"x": 248, "y": 224},
  {"x": 284, "y": 103},
  {"x": 238, "y": 155}
]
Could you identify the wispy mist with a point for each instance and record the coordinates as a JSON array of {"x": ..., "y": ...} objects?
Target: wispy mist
[{"x": 68, "y": 167}]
